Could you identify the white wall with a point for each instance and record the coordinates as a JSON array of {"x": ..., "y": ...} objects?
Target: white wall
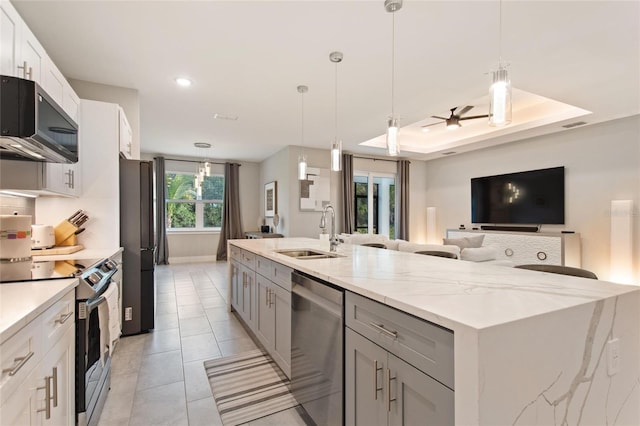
[
  {"x": 602, "y": 163},
  {"x": 283, "y": 168}
]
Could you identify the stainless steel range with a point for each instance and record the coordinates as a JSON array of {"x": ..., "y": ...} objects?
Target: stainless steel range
[{"x": 92, "y": 367}]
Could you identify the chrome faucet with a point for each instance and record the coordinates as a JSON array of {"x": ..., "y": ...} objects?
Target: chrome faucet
[{"x": 333, "y": 239}]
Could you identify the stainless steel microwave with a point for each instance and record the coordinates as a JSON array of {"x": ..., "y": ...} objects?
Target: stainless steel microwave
[{"x": 33, "y": 126}]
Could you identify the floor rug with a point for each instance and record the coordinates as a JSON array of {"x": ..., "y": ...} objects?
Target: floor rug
[{"x": 248, "y": 386}]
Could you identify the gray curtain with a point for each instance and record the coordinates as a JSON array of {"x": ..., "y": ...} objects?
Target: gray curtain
[
  {"x": 402, "y": 230},
  {"x": 231, "y": 219},
  {"x": 348, "y": 218},
  {"x": 162, "y": 248}
]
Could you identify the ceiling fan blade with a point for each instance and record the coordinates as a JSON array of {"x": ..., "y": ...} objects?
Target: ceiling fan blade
[
  {"x": 441, "y": 118},
  {"x": 465, "y": 109},
  {"x": 471, "y": 117},
  {"x": 432, "y": 124}
]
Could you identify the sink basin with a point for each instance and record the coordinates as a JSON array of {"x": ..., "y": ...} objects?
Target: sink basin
[{"x": 307, "y": 254}]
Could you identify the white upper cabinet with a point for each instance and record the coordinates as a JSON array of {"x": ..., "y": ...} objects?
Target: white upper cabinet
[{"x": 22, "y": 55}]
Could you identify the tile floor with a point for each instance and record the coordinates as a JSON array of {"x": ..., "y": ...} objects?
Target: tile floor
[{"x": 158, "y": 378}]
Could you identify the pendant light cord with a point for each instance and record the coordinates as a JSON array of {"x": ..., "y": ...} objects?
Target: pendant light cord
[
  {"x": 302, "y": 121},
  {"x": 393, "y": 59},
  {"x": 336, "y": 108},
  {"x": 500, "y": 38}
]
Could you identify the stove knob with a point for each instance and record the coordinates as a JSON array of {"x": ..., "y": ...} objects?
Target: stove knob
[
  {"x": 111, "y": 264},
  {"x": 94, "y": 278}
]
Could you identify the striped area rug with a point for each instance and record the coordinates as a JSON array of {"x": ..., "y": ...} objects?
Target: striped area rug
[{"x": 248, "y": 386}]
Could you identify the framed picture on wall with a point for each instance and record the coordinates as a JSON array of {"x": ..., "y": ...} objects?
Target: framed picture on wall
[{"x": 270, "y": 199}]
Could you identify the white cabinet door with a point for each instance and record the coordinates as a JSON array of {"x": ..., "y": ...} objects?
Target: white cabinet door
[
  {"x": 53, "y": 81},
  {"x": 62, "y": 178},
  {"x": 70, "y": 102},
  {"x": 58, "y": 368},
  {"x": 33, "y": 57},
  {"x": 236, "y": 285},
  {"x": 126, "y": 135},
  {"x": 20, "y": 408},
  {"x": 10, "y": 26}
]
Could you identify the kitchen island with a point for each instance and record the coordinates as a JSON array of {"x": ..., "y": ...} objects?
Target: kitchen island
[{"x": 530, "y": 348}]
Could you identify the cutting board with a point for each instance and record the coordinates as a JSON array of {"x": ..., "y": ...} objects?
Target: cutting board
[{"x": 57, "y": 250}]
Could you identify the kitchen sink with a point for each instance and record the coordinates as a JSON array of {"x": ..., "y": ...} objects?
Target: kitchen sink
[{"x": 307, "y": 254}]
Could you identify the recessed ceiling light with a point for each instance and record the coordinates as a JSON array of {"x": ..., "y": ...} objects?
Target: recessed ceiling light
[
  {"x": 225, "y": 117},
  {"x": 425, "y": 129},
  {"x": 202, "y": 145},
  {"x": 184, "y": 82}
]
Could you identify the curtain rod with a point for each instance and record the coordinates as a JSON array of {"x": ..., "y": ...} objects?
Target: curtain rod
[{"x": 196, "y": 161}]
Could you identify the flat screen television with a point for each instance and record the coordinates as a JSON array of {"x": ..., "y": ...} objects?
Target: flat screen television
[{"x": 533, "y": 197}]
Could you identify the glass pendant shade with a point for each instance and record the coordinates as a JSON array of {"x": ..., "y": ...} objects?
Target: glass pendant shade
[
  {"x": 302, "y": 167},
  {"x": 207, "y": 169},
  {"x": 500, "y": 98},
  {"x": 393, "y": 148},
  {"x": 336, "y": 156}
]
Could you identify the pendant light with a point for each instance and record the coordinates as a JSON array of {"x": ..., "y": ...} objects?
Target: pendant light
[
  {"x": 336, "y": 145},
  {"x": 393, "y": 147},
  {"x": 203, "y": 170},
  {"x": 302, "y": 159},
  {"x": 500, "y": 91}
]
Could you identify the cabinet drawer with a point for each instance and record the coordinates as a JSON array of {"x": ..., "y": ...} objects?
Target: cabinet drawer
[
  {"x": 235, "y": 253},
  {"x": 20, "y": 354},
  {"x": 248, "y": 259},
  {"x": 57, "y": 319},
  {"x": 264, "y": 266},
  {"x": 281, "y": 275},
  {"x": 426, "y": 346}
]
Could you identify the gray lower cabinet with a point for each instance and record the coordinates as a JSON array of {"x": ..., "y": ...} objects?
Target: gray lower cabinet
[
  {"x": 381, "y": 388},
  {"x": 243, "y": 292},
  {"x": 261, "y": 294}
]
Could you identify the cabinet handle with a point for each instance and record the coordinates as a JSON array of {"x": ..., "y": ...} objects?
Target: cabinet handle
[
  {"x": 21, "y": 360},
  {"x": 266, "y": 297},
  {"x": 244, "y": 279},
  {"x": 47, "y": 397},
  {"x": 380, "y": 327},
  {"x": 375, "y": 379},
  {"x": 63, "y": 318},
  {"x": 271, "y": 294},
  {"x": 55, "y": 386},
  {"x": 389, "y": 400},
  {"x": 26, "y": 74},
  {"x": 73, "y": 179}
]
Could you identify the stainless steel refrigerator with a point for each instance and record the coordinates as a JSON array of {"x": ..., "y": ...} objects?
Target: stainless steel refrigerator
[{"x": 137, "y": 238}]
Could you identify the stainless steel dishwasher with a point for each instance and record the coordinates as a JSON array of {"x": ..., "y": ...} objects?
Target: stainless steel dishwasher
[{"x": 317, "y": 335}]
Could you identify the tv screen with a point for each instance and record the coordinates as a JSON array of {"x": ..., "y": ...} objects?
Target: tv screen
[{"x": 533, "y": 197}]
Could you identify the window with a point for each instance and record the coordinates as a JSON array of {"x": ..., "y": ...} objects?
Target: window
[
  {"x": 185, "y": 211},
  {"x": 374, "y": 203}
]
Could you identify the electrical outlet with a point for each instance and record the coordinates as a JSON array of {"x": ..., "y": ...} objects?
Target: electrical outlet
[
  {"x": 128, "y": 313},
  {"x": 613, "y": 356}
]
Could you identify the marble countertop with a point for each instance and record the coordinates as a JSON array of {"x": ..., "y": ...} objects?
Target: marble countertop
[
  {"x": 82, "y": 254},
  {"x": 21, "y": 302},
  {"x": 452, "y": 293}
]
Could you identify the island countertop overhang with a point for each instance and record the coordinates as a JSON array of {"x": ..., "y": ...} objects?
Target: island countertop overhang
[{"x": 451, "y": 293}]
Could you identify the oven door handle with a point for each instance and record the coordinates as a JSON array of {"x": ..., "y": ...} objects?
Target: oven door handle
[{"x": 91, "y": 304}]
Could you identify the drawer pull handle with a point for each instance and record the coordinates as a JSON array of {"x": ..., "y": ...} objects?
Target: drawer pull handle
[
  {"x": 380, "y": 327},
  {"x": 55, "y": 386},
  {"x": 375, "y": 379},
  {"x": 22, "y": 360},
  {"x": 389, "y": 399},
  {"x": 47, "y": 397},
  {"x": 64, "y": 317}
]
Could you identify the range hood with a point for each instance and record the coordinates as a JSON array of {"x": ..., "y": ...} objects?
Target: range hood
[{"x": 33, "y": 126}]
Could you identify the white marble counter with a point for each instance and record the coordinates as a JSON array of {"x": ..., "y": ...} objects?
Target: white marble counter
[
  {"x": 530, "y": 347},
  {"x": 82, "y": 254},
  {"x": 23, "y": 301}
]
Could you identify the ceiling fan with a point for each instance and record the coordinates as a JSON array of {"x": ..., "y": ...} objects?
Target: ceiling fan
[{"x": 453, "y": 121}]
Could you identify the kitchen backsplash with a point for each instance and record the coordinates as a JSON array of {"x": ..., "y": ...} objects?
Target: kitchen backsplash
[{"x": 10, "y": 204}]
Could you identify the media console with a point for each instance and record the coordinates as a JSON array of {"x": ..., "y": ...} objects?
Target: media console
[{"x": 550, "y": 248}]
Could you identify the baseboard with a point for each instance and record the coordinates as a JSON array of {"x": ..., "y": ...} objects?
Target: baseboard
[
  {"x": 509, "y": 228},
  {"x": 191, "y": 259}
]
